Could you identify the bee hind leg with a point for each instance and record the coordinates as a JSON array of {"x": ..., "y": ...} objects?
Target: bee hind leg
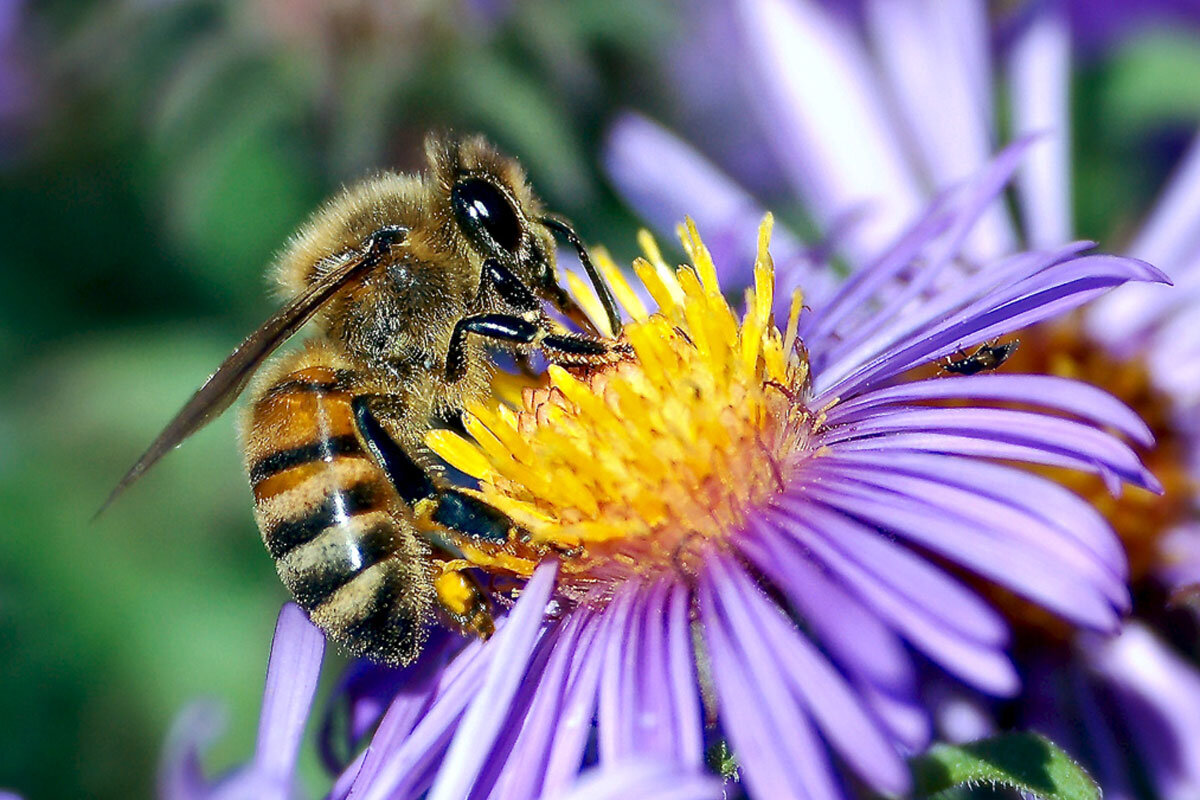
[{"x": 459, "y": 595}]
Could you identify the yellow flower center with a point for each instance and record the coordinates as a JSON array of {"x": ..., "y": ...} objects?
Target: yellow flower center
[{"x": 633, "y": 469}]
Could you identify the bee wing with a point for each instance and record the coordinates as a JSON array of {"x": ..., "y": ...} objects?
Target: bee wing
[{"x": 224, "y": 385}]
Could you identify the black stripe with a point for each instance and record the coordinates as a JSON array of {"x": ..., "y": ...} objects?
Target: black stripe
[
  {"x": 387, "y": 631},
  {"x": 321, "y": 450},
  {"x": 342, "y": 379},
  {"x": 339, "y": 505},
  {"x": 347, "y": 560}
]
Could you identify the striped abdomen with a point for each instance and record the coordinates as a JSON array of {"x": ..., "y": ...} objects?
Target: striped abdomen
[{"x": 330, "y": 518}]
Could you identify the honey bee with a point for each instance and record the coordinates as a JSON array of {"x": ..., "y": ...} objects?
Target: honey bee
[
  {"x": 986, "y": 357},
  {"x": 410, "y": 278}
]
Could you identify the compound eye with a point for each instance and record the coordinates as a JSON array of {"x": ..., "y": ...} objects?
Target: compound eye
[{"x": 479, "y": 204}]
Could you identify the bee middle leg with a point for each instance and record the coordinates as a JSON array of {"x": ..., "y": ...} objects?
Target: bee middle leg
[{"x": 458, "y": 593}]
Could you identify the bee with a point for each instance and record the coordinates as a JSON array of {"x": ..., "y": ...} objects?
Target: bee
[
  {"x": 987, "y": 357},
  {"x": 410, "y": 279}
]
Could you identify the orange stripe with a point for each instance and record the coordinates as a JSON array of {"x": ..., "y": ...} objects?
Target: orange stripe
[{"x": 337, "y": 470}]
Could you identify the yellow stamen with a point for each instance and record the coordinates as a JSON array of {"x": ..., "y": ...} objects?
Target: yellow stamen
[{"x": 630, "y": 469}]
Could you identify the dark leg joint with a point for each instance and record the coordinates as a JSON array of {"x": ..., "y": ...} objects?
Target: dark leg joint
[
  {"x": 501, "y": 327},
  {"x": 462, "y": 513},
  {"x": 509, "y": 286},
  {"x": 575, "y": 345}
]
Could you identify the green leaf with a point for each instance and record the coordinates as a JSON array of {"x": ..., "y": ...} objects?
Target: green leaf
[{"x": 1026, "y": 762}]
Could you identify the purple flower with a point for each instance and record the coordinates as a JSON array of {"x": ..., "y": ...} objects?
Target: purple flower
[
  {"x": 870, "y": 114},
  {"x": 685, "y": 511}
]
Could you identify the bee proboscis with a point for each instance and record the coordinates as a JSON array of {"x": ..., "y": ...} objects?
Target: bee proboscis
[{"x": 411, "y": 278}]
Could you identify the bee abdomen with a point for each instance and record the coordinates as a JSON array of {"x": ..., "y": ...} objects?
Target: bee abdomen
[{"x": 332, "y": 521}]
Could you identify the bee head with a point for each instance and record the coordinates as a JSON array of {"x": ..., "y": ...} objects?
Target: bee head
[{"x": 493, "y": 206}]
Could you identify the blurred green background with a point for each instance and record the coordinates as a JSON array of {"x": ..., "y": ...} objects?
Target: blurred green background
[{"x": 153, "y": 157}]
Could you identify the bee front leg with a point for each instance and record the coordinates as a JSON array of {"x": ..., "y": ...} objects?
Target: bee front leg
[{"x": 566, "y": 348}]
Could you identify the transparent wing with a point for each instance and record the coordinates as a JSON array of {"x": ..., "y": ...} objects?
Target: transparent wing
[{"x": 224, "y": 386}]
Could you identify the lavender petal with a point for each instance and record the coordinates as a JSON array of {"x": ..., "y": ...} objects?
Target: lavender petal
[
  {"x": 835, "y": 708},
  {"x": 1062, "y": 394},
  {"x": 1039, "y": 66},
  {"x": 780, "y": 753},
  {"x": 833, "y": 136},
  {"x": 643, "y": 779},
  {"x": 486, "y": 713}
]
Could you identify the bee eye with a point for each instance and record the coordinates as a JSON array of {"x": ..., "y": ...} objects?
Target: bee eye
[{"x": 478, "y": 204}]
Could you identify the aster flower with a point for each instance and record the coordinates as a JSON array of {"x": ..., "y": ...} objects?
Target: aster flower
[
  {"x": 726, "y": 534},
  {"x": 904, "y": 105}
]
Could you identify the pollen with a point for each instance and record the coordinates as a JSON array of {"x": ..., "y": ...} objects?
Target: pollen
[{"x": 636, "y": 468}]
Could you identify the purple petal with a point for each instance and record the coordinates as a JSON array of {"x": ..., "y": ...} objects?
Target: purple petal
[
  {"x": 193, "y": 731},
  {"x": 1054, "y": 290},
  {"x": 512, "y": 648},
  {"x": 1179, "y": 562},
  {"x": 993, "y": 555},
  {"x": 896, "y": 570},
  {"x": 644, "y": 780},
  {"x": 1055, "y": 434},
  {"x": 682, "y": 679},
  {"x": 832, "y": 136},
  {"x": 923, "y": 48},
  {"x": 1003, "y": 517},
  {"x": 982, "y": 665},
  {"x": 524, "y": 766},
  {"x": 856, "y": 638},
  {"x": 665, "y": 181},
  {"x": 1081, "y": 399},
  {"x": 1169, "y": 239},
  {"x": 781, "y": 755},
  {"x": 1055, "y": 504},
  {"x": 1159, "y": 693},
  {"x": 367, "y": 690},
  {"x": 1039, "y": 67},
  {"x": 1170, "y": 235},
  {"x": 578, "y": 709},
  {"x": 835, "y": 708},
  {"x": 878, "y": 329},
  {"x": 292, "y": 676},
  {"x": 399, "y": 757},
  {"x": 616, "y": 712},
  {"x": 637, "y": 695}
]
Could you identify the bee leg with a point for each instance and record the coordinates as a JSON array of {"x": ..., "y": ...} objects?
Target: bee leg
[
  {"x": 508, "y": 286},
  {"x": 567, "y": 348},
  {"x": 517, "y": 294},
  {"x": 462, "y": 599},
  {"x": 458, "y": 593}
]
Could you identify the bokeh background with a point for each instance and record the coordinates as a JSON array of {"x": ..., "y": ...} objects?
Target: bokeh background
[{"x": 154, "y": 154}]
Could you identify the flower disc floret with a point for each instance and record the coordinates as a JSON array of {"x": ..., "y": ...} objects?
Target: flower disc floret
[{"x": 635, "y": 468}]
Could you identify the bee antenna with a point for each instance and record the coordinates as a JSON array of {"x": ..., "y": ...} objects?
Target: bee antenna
[{"x": 560, "y": 225}]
